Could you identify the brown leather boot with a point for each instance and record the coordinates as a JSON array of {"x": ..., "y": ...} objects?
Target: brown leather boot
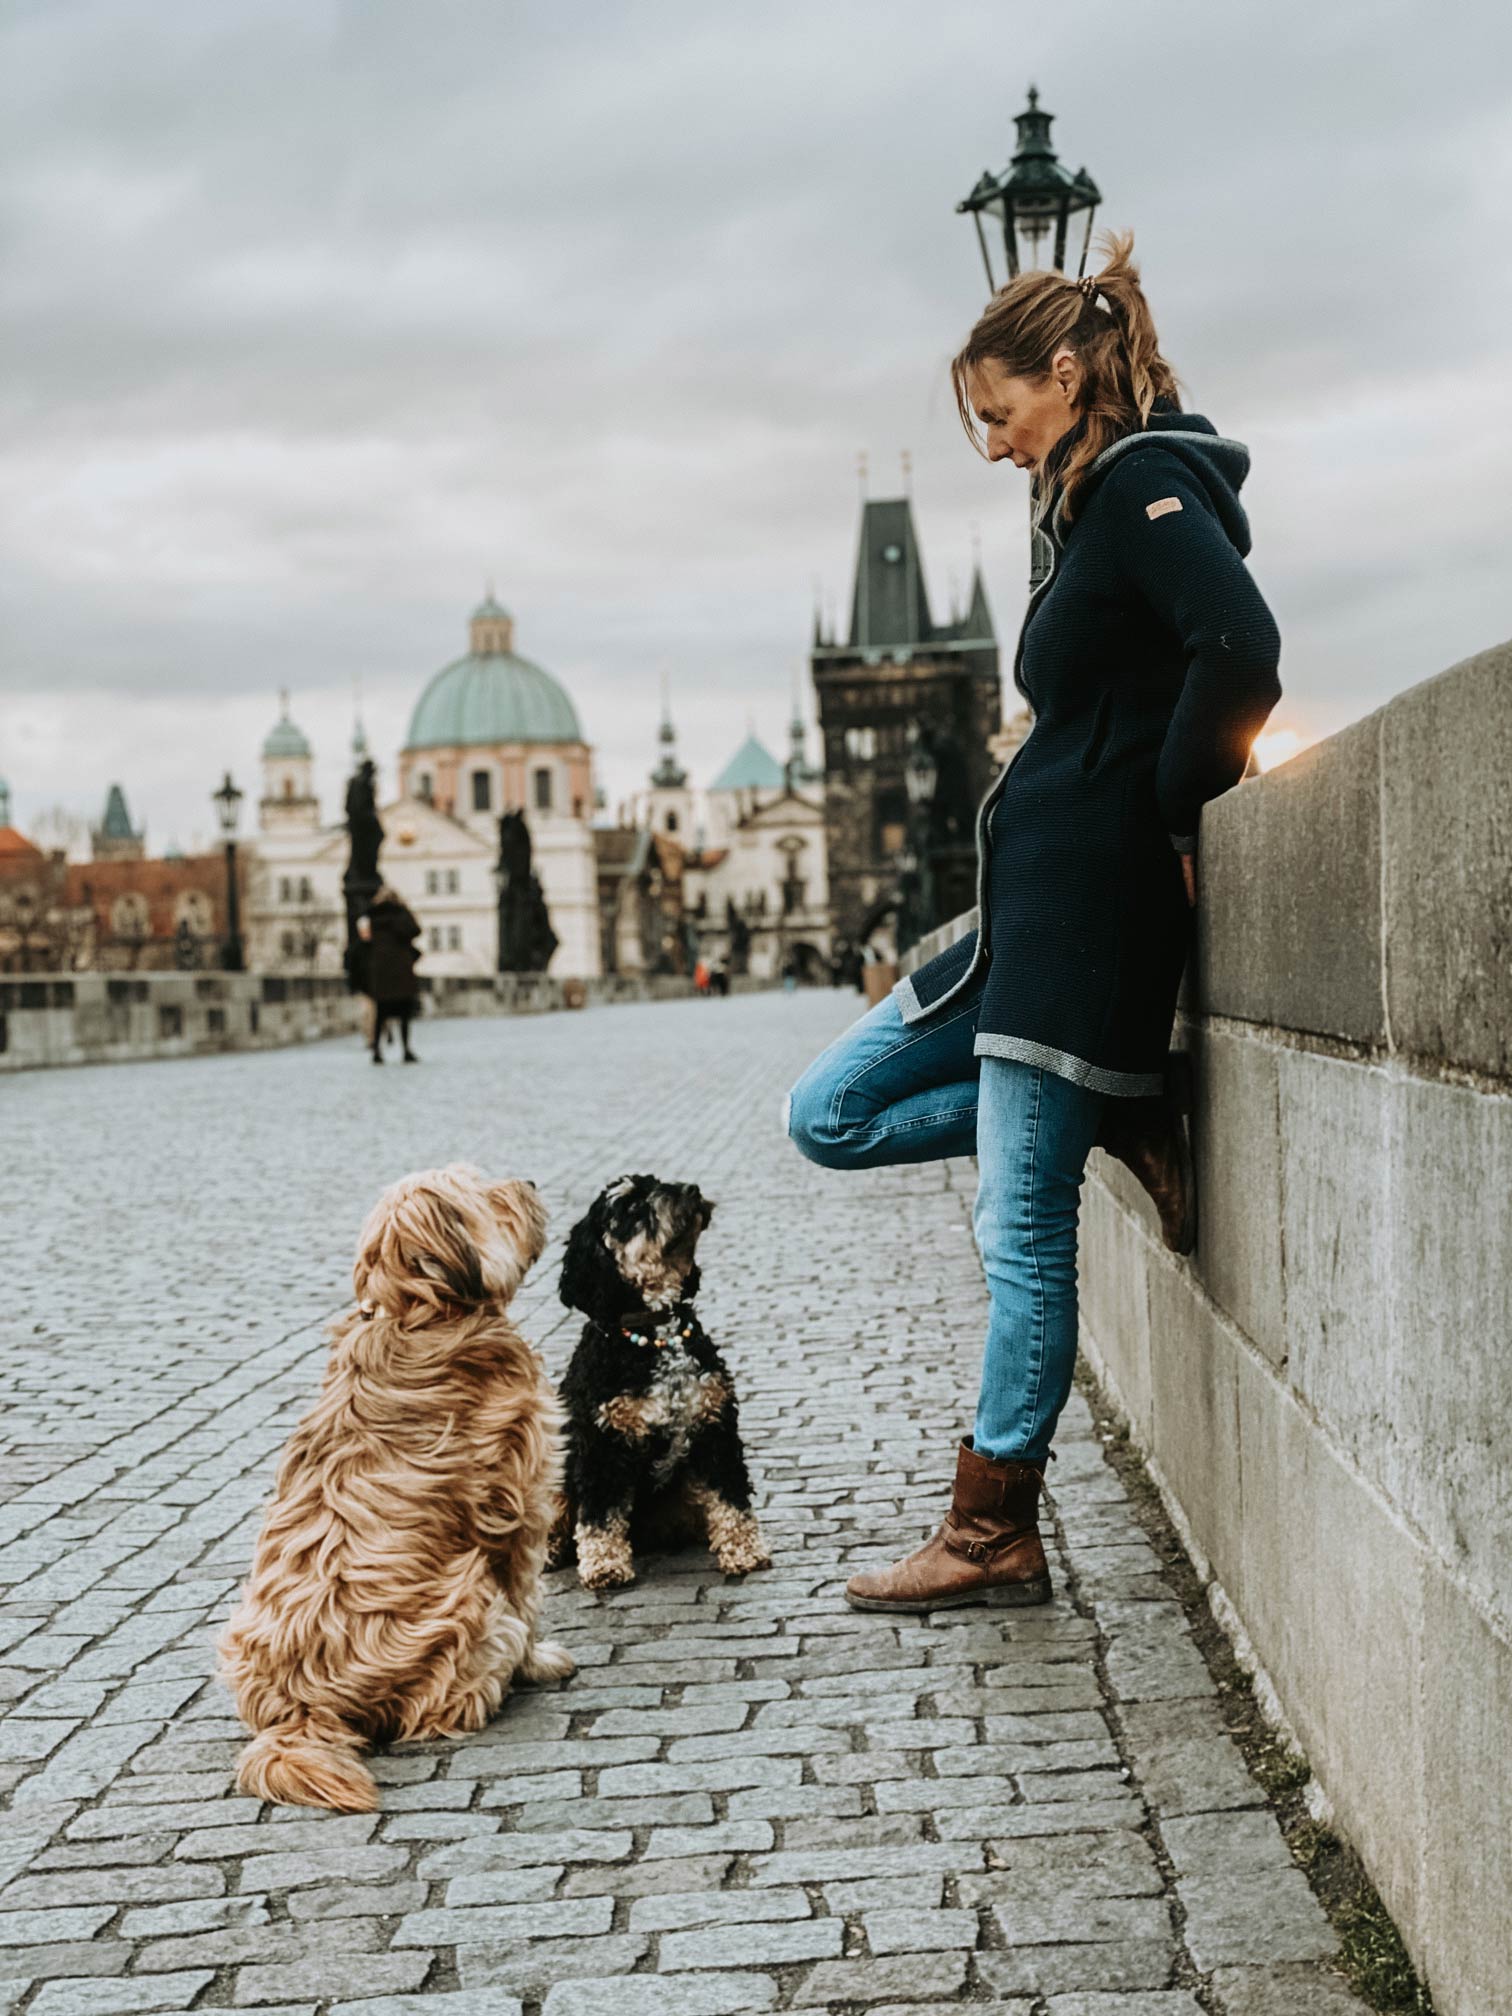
[
  {"x": 988, "y": 1550},
  {"x": 1152, "y": 1137}
]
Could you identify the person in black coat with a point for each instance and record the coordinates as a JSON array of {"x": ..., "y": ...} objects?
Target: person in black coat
[
  {"x": 1148, "y": 657},
  {"x": 392, "y": 935}
]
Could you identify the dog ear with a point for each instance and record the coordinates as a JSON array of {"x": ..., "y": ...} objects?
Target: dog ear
[
  {"x": 583, "y": 1265},
  {"x": 447, "y": 1254}
]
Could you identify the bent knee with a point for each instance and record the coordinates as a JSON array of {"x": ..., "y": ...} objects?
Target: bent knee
[{"x": 807, "y": 1119}]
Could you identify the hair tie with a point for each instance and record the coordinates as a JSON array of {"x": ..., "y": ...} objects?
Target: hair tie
[{"x": 1088, "y": 287}]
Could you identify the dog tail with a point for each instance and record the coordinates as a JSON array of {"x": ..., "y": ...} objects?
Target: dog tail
[{"x": 308, "y": 1763}]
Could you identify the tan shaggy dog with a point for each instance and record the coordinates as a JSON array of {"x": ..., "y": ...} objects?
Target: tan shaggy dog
[{"x": 396, "y": 1581}]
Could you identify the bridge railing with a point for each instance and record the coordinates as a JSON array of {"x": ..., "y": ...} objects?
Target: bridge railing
[{"x": 1324, "y": 1390}]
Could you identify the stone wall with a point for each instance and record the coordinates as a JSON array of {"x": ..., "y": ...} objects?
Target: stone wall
[
  {"x": 100, "y": 1018},
  {"x": 1324, "y": 1390}
]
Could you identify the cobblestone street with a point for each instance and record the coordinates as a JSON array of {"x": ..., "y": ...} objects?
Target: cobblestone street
[{"x": 750, "y": 1797}]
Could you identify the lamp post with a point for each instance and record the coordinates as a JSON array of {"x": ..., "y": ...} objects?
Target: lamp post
[
  {"x": 227, "y": 803},
  {"x": 1034, "y": 193},
  {"x": 921, "y": 774}
]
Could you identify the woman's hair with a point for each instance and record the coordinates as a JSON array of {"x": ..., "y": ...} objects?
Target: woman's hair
[{"x": 1122, "y": 370}]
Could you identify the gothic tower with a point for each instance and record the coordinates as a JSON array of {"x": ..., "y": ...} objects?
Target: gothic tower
[{"x": 901, "y": 682}]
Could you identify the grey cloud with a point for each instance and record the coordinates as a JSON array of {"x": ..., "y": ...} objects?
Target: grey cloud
[{"x": 314, "y": 316}]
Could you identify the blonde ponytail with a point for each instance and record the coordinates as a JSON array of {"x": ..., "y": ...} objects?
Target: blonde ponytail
[{"x": 1117, "y": 351}]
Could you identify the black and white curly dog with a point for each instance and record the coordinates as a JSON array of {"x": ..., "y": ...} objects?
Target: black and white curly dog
[{"x": 654, "y": 1456}]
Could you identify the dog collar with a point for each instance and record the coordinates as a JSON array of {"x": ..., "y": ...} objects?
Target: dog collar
[{"x": 671, "y": 1330}]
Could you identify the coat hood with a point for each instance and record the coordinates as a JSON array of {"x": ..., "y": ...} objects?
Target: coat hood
[{"x": 1216, "y": 463}]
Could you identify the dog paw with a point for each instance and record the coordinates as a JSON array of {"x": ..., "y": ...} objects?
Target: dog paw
[
  {"x": 549, "y": 1661},
  {"x": 604, "y": 1557},
  {"x": 744, "y": 1559},
  {"x": 606, "y": 1575}
]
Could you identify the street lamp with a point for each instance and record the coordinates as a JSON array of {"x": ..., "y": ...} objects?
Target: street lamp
[
  {"x": 921, "y": 774},
  {"x": 1033, "y": 193},
  {"x": 227, "y": 802}
]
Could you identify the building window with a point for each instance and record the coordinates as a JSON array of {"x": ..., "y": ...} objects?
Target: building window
[
  {"x": 193, "y": 909},
  {"x": 285, "y": 889},
  {"x": 288, "y": 784},
  {"x": 286, "y": 944},
  {"x": 306, "y": 893},
  {"x": 128, "y": 915},
  {"x": 671, "y": 822},
  {"x": 543, "y": 790},
  {"x": 482, "y": 791},
  {"x": 861, "y": 744},
  {"x": 430, "y": 881},
  {"x": 423, "y": 787},
  {"x": 454, "y": 937},
  {"x": 435, "y": 938}
]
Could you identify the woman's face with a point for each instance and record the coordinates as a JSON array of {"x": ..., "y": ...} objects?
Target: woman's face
[{"x": 1024, "y": 419}]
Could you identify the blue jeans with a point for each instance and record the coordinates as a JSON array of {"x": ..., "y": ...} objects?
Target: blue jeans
[{"x": 885, "y": 1092}]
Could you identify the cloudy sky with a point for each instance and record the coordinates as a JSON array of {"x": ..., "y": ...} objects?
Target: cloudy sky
[{"x": 317, "y": 317}]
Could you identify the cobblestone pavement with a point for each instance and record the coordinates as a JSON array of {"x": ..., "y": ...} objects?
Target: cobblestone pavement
[{"x": 750, "y": 1797}]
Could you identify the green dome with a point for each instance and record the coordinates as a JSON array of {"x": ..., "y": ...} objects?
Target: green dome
[
  {"x": 283, "y": 738},
  {"x": 489, "y": 697}
]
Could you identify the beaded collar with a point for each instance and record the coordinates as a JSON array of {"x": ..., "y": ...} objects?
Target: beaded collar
[{"x": 639, "y": 1327}]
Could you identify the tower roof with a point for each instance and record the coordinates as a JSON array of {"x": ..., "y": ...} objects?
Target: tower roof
[
  {"x": 751, "y": 768},
  {"x": 669, "y": 775},
  {"x": 890, "y": 607},
  {"x": 283, "y": 739},
  {"x": 116, "y": 825}
]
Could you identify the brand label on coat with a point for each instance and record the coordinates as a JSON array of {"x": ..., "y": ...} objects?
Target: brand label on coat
[{"x": 1161, "y": 506}]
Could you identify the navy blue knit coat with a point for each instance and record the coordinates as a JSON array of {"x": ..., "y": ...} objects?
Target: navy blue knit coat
[{"x": 1149, "y": 658}]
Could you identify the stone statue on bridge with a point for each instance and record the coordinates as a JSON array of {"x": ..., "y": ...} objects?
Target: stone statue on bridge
[
  {"x": 526, "y": 939},
  {"x": 360, "y": 882}
]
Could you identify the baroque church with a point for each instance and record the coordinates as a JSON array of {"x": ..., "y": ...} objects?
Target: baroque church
[{"x": 491, "y": 732}]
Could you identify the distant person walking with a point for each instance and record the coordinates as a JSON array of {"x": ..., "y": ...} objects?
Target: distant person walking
[
  {"x": 1149, "y": 659},
  {"x": 392, "y": 934}
]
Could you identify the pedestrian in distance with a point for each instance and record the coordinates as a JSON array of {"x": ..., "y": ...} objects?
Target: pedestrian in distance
[
  {"x": 392, "y": 934},
  {"x": 1149, "y": 659}
]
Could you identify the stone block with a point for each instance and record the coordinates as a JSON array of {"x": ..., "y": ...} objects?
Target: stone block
[
  {"x": 1187, "y": 1765},
  {"x": 751, "y": 1945},
  {"x": 1236, "y": 1147},
  {"x": 1284, "y": 1991},
  {"x": 1160, "y": 2002},
  {"x": 1112, "y": 1256},
  {"x": 1446, "y": 758},
  {"x": 1289, "y": 896},
  {"x": 1196, "y": 1435},
  {"x": 1199, "y": 1842},
  {"x": 1041, "y": 1920},
  {"x": 1462, "y": 1934},
  {"x": 118, "y": 1998},
  {"x": 1333, "y": 1602},
  {"x": 1078, "y": 1966},
  {"x": 531, "y": 1968},
  {"x": 1338, "y": 1166},
  {"x": 1248, "y": 1917},
  {"x": 1445, "y": 1460},
  {"x": 648, "y": 1995},
  {"x": 915, "y": 1977}
]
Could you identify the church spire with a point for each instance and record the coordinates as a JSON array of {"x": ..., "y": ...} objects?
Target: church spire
[{"x": 669, "y": 775}]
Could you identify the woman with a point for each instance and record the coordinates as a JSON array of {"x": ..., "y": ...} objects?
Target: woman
[
  {"x": 1149, "y": 659},
  {"x": 392, "y": 936}
]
